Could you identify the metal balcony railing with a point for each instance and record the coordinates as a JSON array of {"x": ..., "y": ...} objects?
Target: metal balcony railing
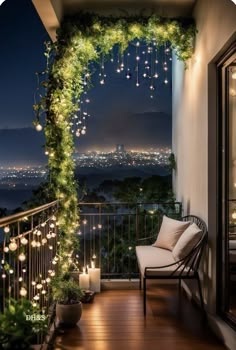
[
  {"x": 28, "y": 247},
  {"x": 109, "y": 233}
]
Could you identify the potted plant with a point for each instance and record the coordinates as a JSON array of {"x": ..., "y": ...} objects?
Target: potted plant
[
  {"x": 21, "y": 324},
  {"x": 67, "y": 295}
]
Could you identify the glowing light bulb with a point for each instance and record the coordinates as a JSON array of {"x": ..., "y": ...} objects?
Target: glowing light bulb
[
  {"x": 44, "y": 240},
  {"x": 234, "y": 214},
  {"x": 49, "y": 236},
  {"x": 13, "y": 246},
  {"x": 77, "y": 133},
  {"x": 38, "y": 244},
  {"x": 165, "y": 68},
  {"x": 99, "y": 226},
  {"x": 23, "y": 292},
  {"x": 53, "y": 273},
  {"x": 53, "y": 234},
  {"x": 50, "y": 247},
  {"x": 34, "y": 243},
  {"x": 52, "y": 225},
  {"x": 44, "y": 291},
  {"x": 156, "y": 75},
  {"x": 152, "y": 87},
  {"x": 79, "y": 233},
  {"x": 83, "y": 132},
  {"x": 166, "y": 81},
  {"x": 20, "y": 279},
  {"x": 118, "y": 70},
  {"x": 11, "y": 271},
  {"x": 102, "y": 81},
  {"x": 6, "y": 229},
  {"x": 137, "y": 84},
  {"x": 22, "y": 257},
  {"x": 48, "y": 280},
  {"x": 128, "y": 76},
  {"x": 137, "y": 58},
  {"x": 39, "y": 127},
  {"x": 146, "y": 62},
  {"x": 4, "y": 275},
  {"x": 156, "y": 61},
  {"x": 38, "y": 233},
  {"x": 138, "y": 43},
  {"x": 24, "y": 241},
  {"x": 33, "y": 283},
  {"x": 6, "y": 249},
  {"x": 234, "y": 74},
  {"x": 36, "y": 297},
  {"x": 39, "y": 286},
  {"x": 145, "y": 75}
]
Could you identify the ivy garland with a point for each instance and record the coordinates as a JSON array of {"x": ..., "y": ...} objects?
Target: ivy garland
[{"x": 82, "y": 40}]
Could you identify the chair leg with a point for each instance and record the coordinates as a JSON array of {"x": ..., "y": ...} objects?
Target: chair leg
[
  {"x": 144, "y": 296},
  {"x": 200, "y": 292}
]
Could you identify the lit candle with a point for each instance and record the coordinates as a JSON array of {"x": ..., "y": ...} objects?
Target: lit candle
[
  {"x": 95, "y": 278},
  {"x": 84, "y": 280}
]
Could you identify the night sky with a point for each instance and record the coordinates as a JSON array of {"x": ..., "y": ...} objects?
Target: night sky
[{"x": 120, "y": 112}]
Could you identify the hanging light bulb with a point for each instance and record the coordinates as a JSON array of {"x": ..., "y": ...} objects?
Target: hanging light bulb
[
  {"x": 24, "y": 240},
  {"x": 39, "y": 286},
  {"x": 38, "y": 127},
  {"x": 50, "y": 247},
  {"x": 145, "y": 75},
  {"x": 23, "y": 292},
  {"x": 6, "y": 229},
  {"x": 44, "y": 291},
  {"x": 102, "y": 81},
  {"x": 52, "y": 225},
  {"x": 83, "y": 132},
  {"x": 22, "y": 257},
  {"x": 137, "y": 84},
  {"x": 77, "y": 133},
  {"x": 44, "y": 241},
  {"x": 6, "y": 249},
  {"x": 20, "y": 279},
  {"x": 33, "y": 283},
  {"x": 49, "y": 236},
  {"x": 38, "y": 233},
  {"x": 138, "y": 43},
  {"x": 234, "y": 214},
  {"x": 137, "y": 58},
  {"x": 38, "y": 244},
  {"x": 118, "y": 70},
  {"x": 155, "y": 76},
  {"x": 152, "y": 87},
  {"x": 13, "y": 246},
  {"x": 48, "y": 279},
  {"x": 53, "y": 235},
  {"x": 4, "y": 275},
  {"x": 166, "y": 81},
  {"x": 146, "y": 62},
  {"x": 128, "y": 76},
  {"x": 36, "y": 297}
]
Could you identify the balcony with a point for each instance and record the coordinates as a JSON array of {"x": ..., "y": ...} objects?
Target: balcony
[{"x": 108, "y": 234}]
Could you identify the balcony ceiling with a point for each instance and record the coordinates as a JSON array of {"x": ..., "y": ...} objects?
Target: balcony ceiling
[{"x": 51, "y": 12}]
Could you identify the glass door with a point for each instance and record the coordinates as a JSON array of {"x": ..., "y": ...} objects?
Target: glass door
[{"x": 227, "y": 176}]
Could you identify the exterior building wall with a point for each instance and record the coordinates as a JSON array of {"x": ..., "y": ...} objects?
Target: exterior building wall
[{"x": 194, "y": 135}]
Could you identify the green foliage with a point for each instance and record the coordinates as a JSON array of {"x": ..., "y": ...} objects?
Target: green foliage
[
  {"x": 172, "y": 162},
  {"x": 18, "y": 332},
  {"x": 65, "y": 290},
  {"x": 81, "y": 40}
]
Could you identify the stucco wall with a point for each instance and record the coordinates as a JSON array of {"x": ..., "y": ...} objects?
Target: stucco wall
[{"x": 194, "y": 104}]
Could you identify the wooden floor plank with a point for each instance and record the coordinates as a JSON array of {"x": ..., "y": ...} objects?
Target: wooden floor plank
[{"x": 115, "y": 321}]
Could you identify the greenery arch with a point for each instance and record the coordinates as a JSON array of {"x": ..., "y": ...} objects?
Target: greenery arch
[{"x": 81, "y": 40}]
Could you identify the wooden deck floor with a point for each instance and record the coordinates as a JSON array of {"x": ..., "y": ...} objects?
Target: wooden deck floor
[{"x": 115, "y": 321}]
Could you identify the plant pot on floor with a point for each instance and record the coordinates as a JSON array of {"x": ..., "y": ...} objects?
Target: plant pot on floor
[{"x": 69, "y": 315}]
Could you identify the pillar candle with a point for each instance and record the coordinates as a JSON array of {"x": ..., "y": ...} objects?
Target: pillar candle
[
  {"x": 84, "y": 281},
  {"x": 95, "y": 279}
]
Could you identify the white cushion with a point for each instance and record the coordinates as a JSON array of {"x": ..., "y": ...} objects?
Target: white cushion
[
  {"x": 170, "y": 232},
  {"x": 190, "y": 237},
  {"x": 149, "y": 256}
]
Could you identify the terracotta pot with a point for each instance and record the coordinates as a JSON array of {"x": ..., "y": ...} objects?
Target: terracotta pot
[{"x": 69, "y": 315}]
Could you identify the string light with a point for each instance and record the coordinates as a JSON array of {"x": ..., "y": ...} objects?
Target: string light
[
  {"x": 13, "y": 246},
  {"x": 6, "y": 229},
  {"x": 38, "y": 127},
  {"x": 22, "y": 257},
  {"x": 24, "y": 241},
  {"x": 6, "y": 249},
  {"x": 23, "y": 292}
]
